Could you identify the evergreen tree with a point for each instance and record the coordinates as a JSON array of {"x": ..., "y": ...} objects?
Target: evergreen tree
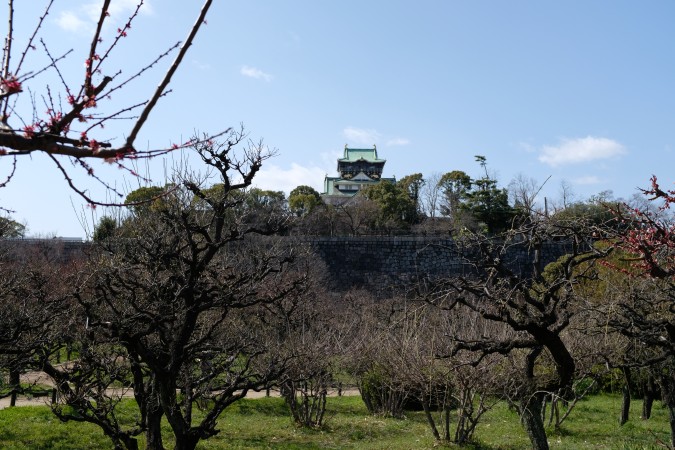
[
  {"x": 303, "y": 199},
  {"x": 487, "y": 203}
]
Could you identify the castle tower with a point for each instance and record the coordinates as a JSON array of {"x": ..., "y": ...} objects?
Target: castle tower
[{"x": 358, "y": 168}]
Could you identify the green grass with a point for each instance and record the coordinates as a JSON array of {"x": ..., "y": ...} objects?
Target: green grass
[
  {"x": 266, "y": 424},
  {"x": 29, "y": 390},
  {"x": 35, "y": 427}
]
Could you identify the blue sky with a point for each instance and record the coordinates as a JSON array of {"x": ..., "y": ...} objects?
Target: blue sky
[{"x": 578, "y": 91}]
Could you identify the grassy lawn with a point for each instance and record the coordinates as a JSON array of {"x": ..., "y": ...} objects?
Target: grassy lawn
[{"x": 265, "y": 424}]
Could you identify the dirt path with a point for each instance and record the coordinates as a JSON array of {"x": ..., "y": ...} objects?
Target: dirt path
[{"x": 41, "y": 379}]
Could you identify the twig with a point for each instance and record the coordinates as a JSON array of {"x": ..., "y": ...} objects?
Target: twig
[
  {"x": 30, "y": 45},
  {"x": 121, "y": 33},
  {"x": 81, "y": 192},
  {"x": 53, "y": 63},
  {"x": 167, "y": 77},
  {"x": 10, "y": 176},
  {"x": 7, "y": 54},
  {"x": 140, "y": 72},
  {"x": 89, "y": 69}
]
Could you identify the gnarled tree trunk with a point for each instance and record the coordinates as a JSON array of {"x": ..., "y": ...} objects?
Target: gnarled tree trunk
[{"x": 530, "y": 411}]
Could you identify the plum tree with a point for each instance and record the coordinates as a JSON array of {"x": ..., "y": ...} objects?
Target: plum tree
[{"x": 78, "y": 110}]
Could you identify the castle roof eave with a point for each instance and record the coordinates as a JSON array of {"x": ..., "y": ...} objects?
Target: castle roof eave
[{"x": 357, "y": 154}]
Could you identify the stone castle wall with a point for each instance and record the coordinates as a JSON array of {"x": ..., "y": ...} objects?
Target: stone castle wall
[
  {"x": 371, "y": 262},
  {"x": 368, "y": 262}
]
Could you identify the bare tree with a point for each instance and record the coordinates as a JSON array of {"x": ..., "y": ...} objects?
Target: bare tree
[
  {"x": 357, "y": 216},
  {"x": 189, "y": 305},
  {"x": 400, "y": 356},
  {"x": 371, "y": 352},
  {"x": 431, "y": 195},
  {"x": 523, "y": 191},
  {"x": 537, "y": 309},
  {"x": 314, "y": 339},
  {"x": 451, "y": 388},
  {"x": 33, "y": 292},
  {"x": 567, "y": 194},
  {"x": 78, "y": 110}
]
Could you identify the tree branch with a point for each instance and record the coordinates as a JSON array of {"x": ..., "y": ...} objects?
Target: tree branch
[{"x": 167, "y": 77}]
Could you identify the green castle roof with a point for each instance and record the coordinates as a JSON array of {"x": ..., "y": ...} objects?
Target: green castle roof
[{"x": 356, "y": 154}]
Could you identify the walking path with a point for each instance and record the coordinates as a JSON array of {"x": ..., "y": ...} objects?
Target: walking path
[{"x": 42, "y": 379}]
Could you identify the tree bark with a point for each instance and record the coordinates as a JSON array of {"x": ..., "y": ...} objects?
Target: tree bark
[
  {"x": 671, "y": 416},
  {"x": 648, "y": 398},
  {"x": 186, "y": 442},
  {"x": 668, "y": 397},
  {"x": 430, "y": 419},
  {"x": 186, "y": 437},
  {"x": 531, "y": 404},
  {"x": 15, "y": 383},
  {"x": 147, "y": 397},
  {"x": 530, "y": 412},
  {"x": 446, "y": 411},
  {"x": 129, "y": 442},
  {"x": 625, "y": 404},
  {"x": 153, "y": 433}
]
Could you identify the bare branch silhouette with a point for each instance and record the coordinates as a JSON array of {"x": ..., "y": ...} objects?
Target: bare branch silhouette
[{"x": 56, "y": 134}]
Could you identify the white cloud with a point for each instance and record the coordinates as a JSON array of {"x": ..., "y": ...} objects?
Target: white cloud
[
  {"x": 572, "y": 151},
  {"x": 258, "y": 74},
  {"x": 361, "y": 136},
  {"x": 397, "y": 142},
  {"x": 119, "y": 10},
  {"x": 71, "y": 22},
  {"x": 279, "y": 179},
  {"x": 119, "y": 7},
  {"x": 369, "y": 137},
  {"x": 586, "y": 180},
  {"x": 328, "y": 158},
  {"x": 85, "y": 18}
]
